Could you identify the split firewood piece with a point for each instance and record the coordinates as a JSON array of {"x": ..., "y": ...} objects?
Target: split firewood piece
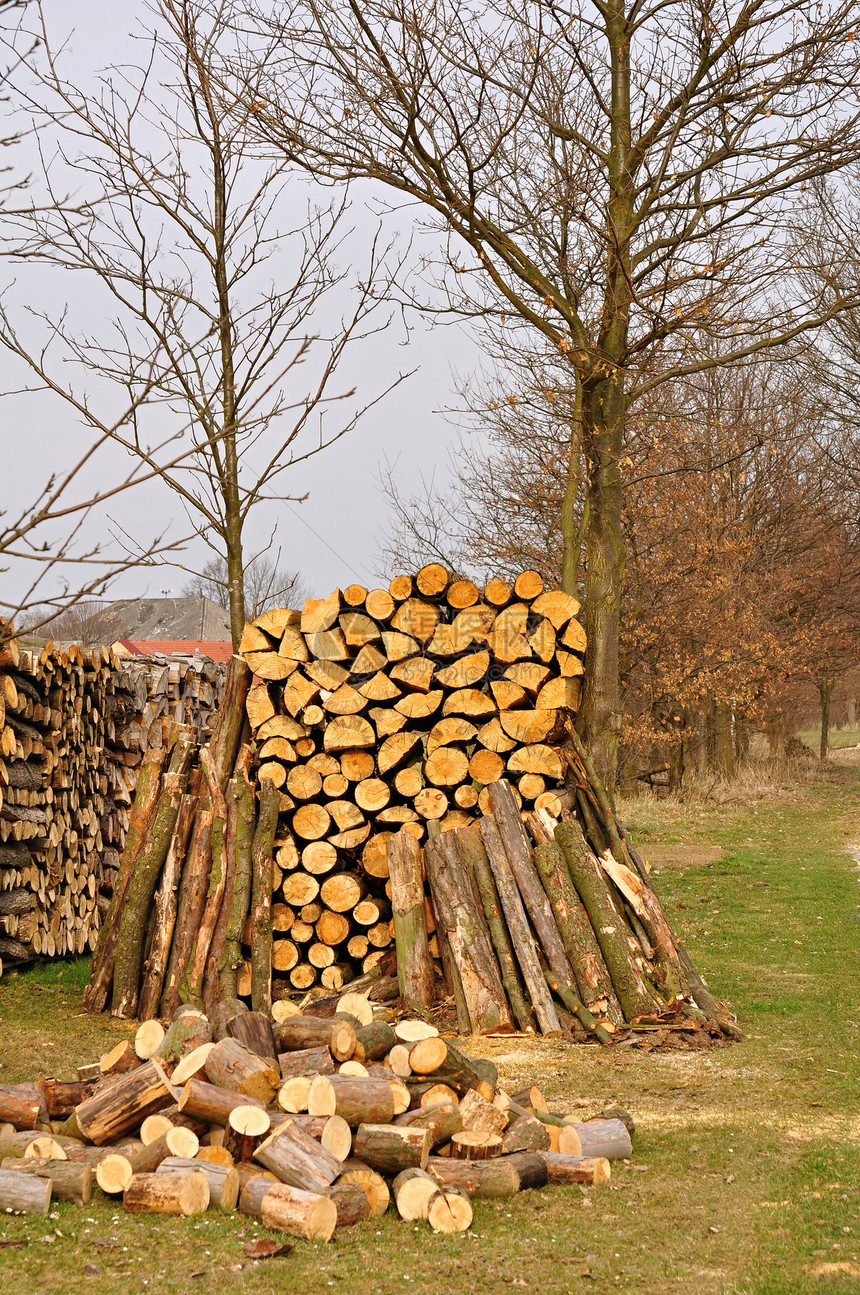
[
  {"x": 556, "y": 606},
  {"x": 536, "y": 759},
  {"x": 387, "y": 721},
  {"x": 525, "y": 948},
  {"x": 209, "y": 1102},
  {"x": 542, "y": 641},
  {"x": 124, "y": 1103},
  {"x": 147, "y": 1040},
  {"x": 528, "y": 726},
  {"x": 390, "y": 1148},
  {"x": 467, "y": 934},
  {"x": 480, "y": 1116},
  {"x": 270, "y": 665},
  {"x": 417, "y": 619},
  {"x": 24, "y": 1193},
  {"x": 327, "y": 674},
  {"x": 559, "y": 694},
  {"x": 358, "y": 629},
  {"x": 298, "y": 1159},
  {"x": 481, "y": 1179},
  {"x": 169, "y": 1193},
  {"x": 345, "y": 701},
  {"x": 300, "y": 1213},
  {"x": 231, "y": 1065},
  {"x": 634, "y": 995},
  {"x": 466, "y": 672},
  {"x": 320, "y": 613},
  {"x": 574, "y": 637},
  {"x": 493, "y": 737},
  {"x": 413, "y": 1189},
  {"x": 418, "y": 706},
  {"x": 358, "y": 1101},
  {"x": 469, "y": 701},
  {"x": 415, "y": 972},
  {"x": 475, "y": 1144},
  {"x": 562, "y": 1169},
  {"x": 414, "y": 673},
  {"x": 245, "y": 1126},
  {"x": 569, "y": 666},
  {"x": 223, "y": 1180},
  {"x": 345, "y": 814},
  {"x": 348, "y": 732},
  {"x": 69, "y": 1181},
  {"x": 300, "y": 1032}
]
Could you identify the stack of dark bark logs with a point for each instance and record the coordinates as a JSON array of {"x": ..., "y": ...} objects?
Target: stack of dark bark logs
[
  {"x": 74, "y": 728},
  {"x": 395, "y": 709},
  {"x": 306, "y": 1123}
]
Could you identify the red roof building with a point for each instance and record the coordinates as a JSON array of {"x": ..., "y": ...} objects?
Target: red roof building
[{"x": 217, "y": 650}]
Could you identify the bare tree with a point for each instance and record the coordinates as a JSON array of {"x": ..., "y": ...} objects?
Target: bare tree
[
  {"x": 614, "y": 177},
  {"x": 266, "y": 585},
  {"x": 176, "y": 227}
]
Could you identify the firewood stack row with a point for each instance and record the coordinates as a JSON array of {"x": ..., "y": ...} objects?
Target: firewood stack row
[
  {"x": 306, "y": 1123},
  {"x": 77, "y": 725},
  {"x": 396, "y": 709}
]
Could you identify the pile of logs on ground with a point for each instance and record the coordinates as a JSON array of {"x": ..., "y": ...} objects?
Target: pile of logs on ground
[
  {"x": 74, "y": 727},
  {"x": 234, "y": 883},
  {"x": 395, "y": 709},
  {"x": 305, "y": 1123}
]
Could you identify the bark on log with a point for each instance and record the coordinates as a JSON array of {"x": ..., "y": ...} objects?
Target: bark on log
[
  {"x": 298, "y": 1159},
  {"x": 390, "y": 1148},
  {"x": 212, "y": 1103},
  {"x": 562, "y": 1170},
  {"x": 231, "y": 954},
  {"x": 300, "y": 1213},
  {"x": 358, "y": 1101},
  {"x": 173, "y": 1193},
  {"x": 482, "y": 1179},
  {"x": 458, "y": 910},
  {"x": 415, "y": 971},
  {"x": 231, "y": 1065},
  {"x": 123, "y": 1104},
  {"x": 223, "y": 1180},
  {"x": 521, "y": 936},
  {"x": 70, "y": 1181},
  {"x": 261, "y": 898},
  {"x": 300, "y": 1032},
  {"x": 24, "y": 1194}
]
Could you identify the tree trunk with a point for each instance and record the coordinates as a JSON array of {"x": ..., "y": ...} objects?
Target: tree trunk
[
  {"x": 724, "y": 750},
  {"x": 231, "y": 954},
  {"x": 825, "y": 693}
]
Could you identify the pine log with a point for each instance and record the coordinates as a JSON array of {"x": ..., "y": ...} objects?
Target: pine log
[
  {"x": 223, "y": 1180},
  {"x": 390, "y": 1148},
  {"x": 300, "y": 1213},
  {"x": 300, "y": 1032},
  {"x": 231, "y": 1065},
  {"x": 633, "y": 993},
  {"x": 211, "y": 1102},
  {"x": 146, "y": 799},
  {"x": 123, "y": 1103},
  {"x": 24, "y": 1193},
  {"x": 458, "y": 910},
  {"x": 562, "y": 1169},
  {"x": 255, "y": 1031},
  {"x": 297, "y": 1159},
  {"x": 475, "y": 857},
  {"x": 350, "y": 1201},
  {"x": 482, "y": 1179},
  {"x": 261, "y": 900},
  {"x": 170, "y": 1193},
  {"x": 592, "y": 977},
  {"x": 415, "y": 972},
  {"x": 442, "y": 1121},
  {"x": 358, "y": 1101},
  {"x": 306, "y": 1061},
  {"x": 521, "y": 937},
  {"x": 70, "y": 1181}
]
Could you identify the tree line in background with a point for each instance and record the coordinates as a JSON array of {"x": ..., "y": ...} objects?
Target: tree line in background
[{"x": 648, "y": 213}]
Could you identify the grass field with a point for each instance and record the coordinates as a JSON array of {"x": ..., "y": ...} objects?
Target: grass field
[{"x": 745, "y": 1177}]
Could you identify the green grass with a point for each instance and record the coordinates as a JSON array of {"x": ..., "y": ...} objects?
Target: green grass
[
  {"x": 745, "y": 1176},
  {"x": 839, "y": 738}
]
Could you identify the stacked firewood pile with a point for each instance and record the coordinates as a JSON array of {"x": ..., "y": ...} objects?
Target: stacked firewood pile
[
  {"x": 396, "y": 709},
  {"x": 76, "y": 725},
  {"x": 305, "y": 1122}
]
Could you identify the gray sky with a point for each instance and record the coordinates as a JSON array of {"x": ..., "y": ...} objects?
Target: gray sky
[{"x": 332, "y": 538}]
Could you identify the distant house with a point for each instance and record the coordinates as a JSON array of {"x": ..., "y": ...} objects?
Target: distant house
[{"x": 216, "y": 651}]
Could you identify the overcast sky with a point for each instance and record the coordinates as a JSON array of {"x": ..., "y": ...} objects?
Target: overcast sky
[{"x": 335, "y": 536}]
